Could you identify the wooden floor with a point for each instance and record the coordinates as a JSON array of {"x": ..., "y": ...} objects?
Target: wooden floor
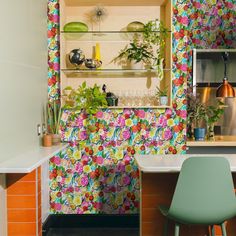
[{"x": 157, "y": 189}]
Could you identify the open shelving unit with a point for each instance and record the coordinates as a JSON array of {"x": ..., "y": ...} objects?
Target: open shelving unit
[{"x": 112, "y": 36}]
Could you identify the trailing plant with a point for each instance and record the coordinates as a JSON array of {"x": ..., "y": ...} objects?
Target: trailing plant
[
  {"x": 84, "y": 98},
  {"x": 54, "y": 111}
]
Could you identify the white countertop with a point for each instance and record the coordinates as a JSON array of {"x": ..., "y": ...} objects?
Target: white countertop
[
  {"x": 173, "y": 163},
  {"x": 27, "y": 162}
]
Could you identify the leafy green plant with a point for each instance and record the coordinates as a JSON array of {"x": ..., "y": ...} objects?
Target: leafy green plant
[
  {"x": 214, "y": 113},
  {"x": 86, "y": 99},
  {"x": 161, "y": 92},
  {"x": 136, "y": 51},
  {"x": 199, "y": 112},
  {"x": 54, "y": 111},
  {"x": 155, "y": 34}
]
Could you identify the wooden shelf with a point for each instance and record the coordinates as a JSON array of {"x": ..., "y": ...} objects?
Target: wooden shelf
[{"x": 72, "y": 3}]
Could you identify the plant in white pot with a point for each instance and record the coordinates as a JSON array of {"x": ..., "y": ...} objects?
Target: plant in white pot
[
  {"x": 137, "y": 53},
  {"x": 54, "y": 111},
  {"x": 162, "y": 95}
]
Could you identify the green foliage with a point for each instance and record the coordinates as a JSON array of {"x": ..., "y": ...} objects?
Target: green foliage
[
  {"x": 136, "y": 51},
  {"x": 199, "y": 112},
  {"x": 147, "y": 46},
  {"x": 155, "y": 34},
  {"x": 161, "y": 92},
  {"x": 86, "y": 99},
  {"x": 54, "y": 111},
  {"x": 215, "y": 112}
]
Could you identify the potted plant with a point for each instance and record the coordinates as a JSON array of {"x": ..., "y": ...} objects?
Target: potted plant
[
  {"x": 197, "y": 116},
  {"x": 86, "y": 100},
  {"x": 214, "y": 113},
  {"x": 137, "y": 53},
  {"x": 54, "y": 117},
  {"x": 162, "y": 95},
  {"x": 155, "y": 34}
]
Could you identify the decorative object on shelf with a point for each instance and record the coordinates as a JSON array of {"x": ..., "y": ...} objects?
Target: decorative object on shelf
[
  {"x": 92, "y": 63},
  {"x": 75, "y": 27},
  {"x": 97, "y": 15},
  {"x": 112, "y": 99},
  {"x": 76, "y": 57},
  {"x": 97, "y": 53},
  {"x": 225, "y": 89},
  {"x": 135, "y": 26},
  {"x": 54, "y": 111},
  {"x": 136, "y": 52},
  {"x": 85, "y": 99},
  {"x": 162, "y": 95}
]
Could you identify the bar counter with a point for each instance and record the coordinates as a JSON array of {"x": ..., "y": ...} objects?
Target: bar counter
[
  {"x": 223, "y": 141},
  {"x": 158, "y": 177}
]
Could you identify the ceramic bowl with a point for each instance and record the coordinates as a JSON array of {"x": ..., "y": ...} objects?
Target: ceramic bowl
[{"x": 92, "y": 63}]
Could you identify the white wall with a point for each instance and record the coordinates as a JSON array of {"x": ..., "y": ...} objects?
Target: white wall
[{"x": 23, "y": 73}]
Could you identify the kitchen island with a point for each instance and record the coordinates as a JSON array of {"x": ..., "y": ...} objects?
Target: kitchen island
[{"x": 158, "y": 176}]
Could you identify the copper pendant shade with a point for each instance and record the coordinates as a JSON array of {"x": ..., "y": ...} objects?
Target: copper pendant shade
[{"x": 225, "y": 89}]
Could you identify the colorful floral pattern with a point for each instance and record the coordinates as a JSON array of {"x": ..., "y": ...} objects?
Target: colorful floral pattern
[{"x": 98, "y": 173}]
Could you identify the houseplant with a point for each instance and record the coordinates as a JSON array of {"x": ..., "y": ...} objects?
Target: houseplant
[
  {"x": 86, "y": 100},
  {"x": 202, "y": 115},
  {"x": 162, "y": 95},
  {"x": 214, "y": 113},
  {"x": 54, "y": 116},
  {"x": 197, "y": 117},
  {"x": 137, "y": 53}
]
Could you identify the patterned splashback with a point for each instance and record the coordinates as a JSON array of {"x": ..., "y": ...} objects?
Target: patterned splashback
[{"x": 98, "y": 174}]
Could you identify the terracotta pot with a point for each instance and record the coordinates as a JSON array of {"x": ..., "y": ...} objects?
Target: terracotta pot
[
  {"x": 56, "y": 139},
  {"x": 47, "y": 140}
]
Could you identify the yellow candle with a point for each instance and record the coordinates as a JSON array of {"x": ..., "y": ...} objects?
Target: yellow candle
[{"x": 97, "y": 52}]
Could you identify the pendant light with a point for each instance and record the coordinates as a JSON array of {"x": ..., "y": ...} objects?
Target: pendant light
[{"x": 225, "y": 89}]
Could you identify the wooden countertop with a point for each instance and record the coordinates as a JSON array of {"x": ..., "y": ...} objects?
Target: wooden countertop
[
  {"x": 173, "y": 163},
  {"x": 228, "y": 141}
]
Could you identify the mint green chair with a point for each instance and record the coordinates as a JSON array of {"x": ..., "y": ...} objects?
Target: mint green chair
[{"x": 204, "y": 194}]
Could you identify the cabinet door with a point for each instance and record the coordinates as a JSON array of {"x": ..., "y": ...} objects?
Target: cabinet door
[{"x": 23, "y": 68}]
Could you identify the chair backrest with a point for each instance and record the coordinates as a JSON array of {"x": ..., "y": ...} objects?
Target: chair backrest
[{"x": 204, "y": 192}]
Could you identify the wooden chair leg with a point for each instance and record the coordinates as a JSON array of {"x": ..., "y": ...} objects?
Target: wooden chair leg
[
  {"x": 165, "y": 233},
  {"x": 223, "y": 229},
  {"x": 176, "y": 230}
]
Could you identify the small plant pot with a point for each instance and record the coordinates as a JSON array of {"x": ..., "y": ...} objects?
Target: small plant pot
[
  {"x": 163, "y": 100},
  {"x": 136, "y": 65},
  {"x": 56, "y": 139},
  {"x": 199, "y": 134},
  {"x": 47, "y": 140}
]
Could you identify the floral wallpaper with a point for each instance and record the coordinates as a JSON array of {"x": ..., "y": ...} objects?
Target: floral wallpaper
[{"x": 98, "y": 173}]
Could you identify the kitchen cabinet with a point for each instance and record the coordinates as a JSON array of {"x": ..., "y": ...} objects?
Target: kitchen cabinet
[{"x": 134, "y": 87}]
